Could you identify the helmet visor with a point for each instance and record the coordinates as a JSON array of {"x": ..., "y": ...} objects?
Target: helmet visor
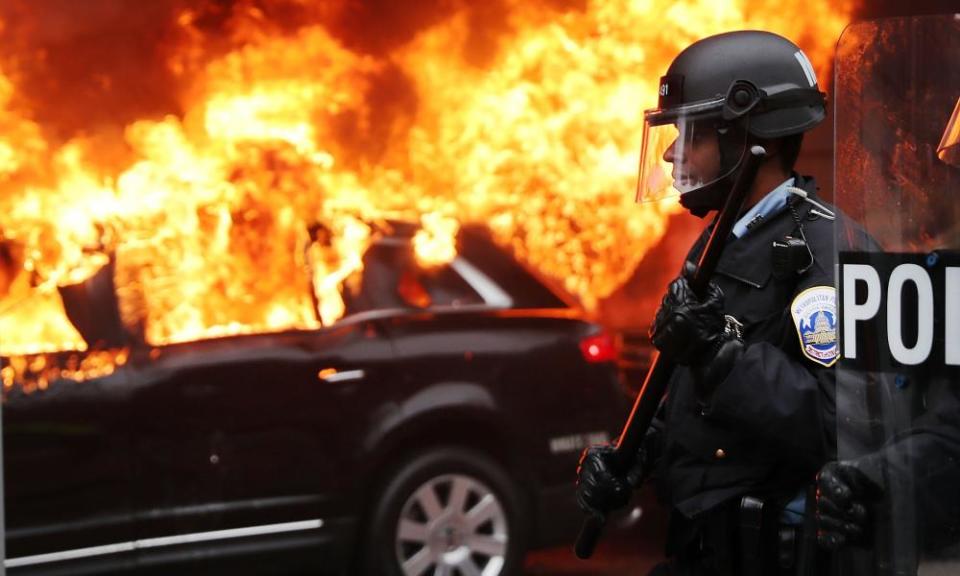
[
  {"x": 949, "y": 148},
  {"x": 682, "y": 152}
]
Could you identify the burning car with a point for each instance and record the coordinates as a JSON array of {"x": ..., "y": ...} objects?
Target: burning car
[{"x": 435, "y": 423}]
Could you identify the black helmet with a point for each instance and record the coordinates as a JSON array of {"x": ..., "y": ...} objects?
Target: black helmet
[{"x": 740, "y": 85}]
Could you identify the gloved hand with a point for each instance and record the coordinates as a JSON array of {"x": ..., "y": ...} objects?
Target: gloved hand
[
  {"x": 600, "y": 488},
  {"x": 843, "y": 492},
  {"x": 686, "y": 330}
]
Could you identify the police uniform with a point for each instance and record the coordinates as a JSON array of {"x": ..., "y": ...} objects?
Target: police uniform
[{"x": 768, "y": 427}]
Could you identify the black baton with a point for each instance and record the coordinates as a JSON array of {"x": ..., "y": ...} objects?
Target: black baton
[{"x": 655, "y": 384}]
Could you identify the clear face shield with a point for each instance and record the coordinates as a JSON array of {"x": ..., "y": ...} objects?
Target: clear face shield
[{"x": 686, "y": 149}]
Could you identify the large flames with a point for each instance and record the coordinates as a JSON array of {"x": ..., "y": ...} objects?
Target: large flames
[{"x": 248, "y": 205}]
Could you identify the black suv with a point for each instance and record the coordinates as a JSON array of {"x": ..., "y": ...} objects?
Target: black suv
[{"x": 434, "y": 429}]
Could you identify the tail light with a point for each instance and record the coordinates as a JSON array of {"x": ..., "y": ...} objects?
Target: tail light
[{"x": 601, "y": 347}]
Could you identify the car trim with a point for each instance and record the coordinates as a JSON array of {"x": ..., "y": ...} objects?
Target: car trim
[
  {"x": 577, "y": 442},
  {"x": 163, "y": 541},
  {"x": 492, "y": 294},
  {"x": 116, "y": 520}
]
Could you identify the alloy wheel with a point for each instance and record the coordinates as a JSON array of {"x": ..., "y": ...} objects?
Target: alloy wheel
[{"x": 452, "y": 525}]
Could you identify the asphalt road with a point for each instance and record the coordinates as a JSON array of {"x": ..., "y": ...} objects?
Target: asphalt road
[{"x": 621, "y": 554}]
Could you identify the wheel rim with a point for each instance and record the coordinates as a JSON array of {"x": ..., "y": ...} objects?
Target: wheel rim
[{"x": 452, "y": 525}]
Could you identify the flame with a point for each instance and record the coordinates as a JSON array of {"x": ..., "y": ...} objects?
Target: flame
[
  {"x": 333, "y": 261},
  {"x": 36, "y": 372},
  {"x": 433, "y": 244},
  {"x": 248, "y": 206}
]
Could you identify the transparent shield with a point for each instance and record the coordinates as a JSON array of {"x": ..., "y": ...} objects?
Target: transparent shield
[
  {"x": 898, "y": 403},
  {"x": 681, "y": 151}
]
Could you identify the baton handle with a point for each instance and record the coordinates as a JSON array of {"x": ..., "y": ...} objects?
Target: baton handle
[
  {"x": 590, "y": 532},
  {"x": 655, "y": 384}
]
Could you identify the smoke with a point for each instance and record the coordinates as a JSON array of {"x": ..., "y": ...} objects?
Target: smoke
[{"x": 79, "y": 66}]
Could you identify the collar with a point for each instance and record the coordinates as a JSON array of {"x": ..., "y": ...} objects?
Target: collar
[
  {"x": 769, "y": 205},
  {"x": 749, "y": 261}
]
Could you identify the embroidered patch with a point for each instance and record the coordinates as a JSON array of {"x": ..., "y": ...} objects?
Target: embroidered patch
[{"x": 815, "y": 315}]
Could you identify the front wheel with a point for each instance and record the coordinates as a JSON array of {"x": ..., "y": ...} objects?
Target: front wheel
[{"x": 448, "y": 511}]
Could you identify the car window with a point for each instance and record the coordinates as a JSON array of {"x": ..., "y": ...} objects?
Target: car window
[{"x": 392, "y": 278}]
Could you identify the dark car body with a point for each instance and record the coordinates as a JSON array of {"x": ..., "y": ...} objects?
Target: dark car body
[{"x": 268, "y": 452}]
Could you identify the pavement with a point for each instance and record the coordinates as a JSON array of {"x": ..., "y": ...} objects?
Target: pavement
[{"x": 624, "y": 554}]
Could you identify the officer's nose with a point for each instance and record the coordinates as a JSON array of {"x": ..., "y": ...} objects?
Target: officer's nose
[{"x": 669, "y": 154}]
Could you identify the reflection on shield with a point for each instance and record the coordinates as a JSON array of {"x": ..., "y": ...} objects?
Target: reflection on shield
[
  {"x": 949, "y": 149},
  {"x": 897, "y": 175}
]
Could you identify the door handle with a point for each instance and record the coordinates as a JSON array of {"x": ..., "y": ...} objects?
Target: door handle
[{"x": 333, "y": 376}]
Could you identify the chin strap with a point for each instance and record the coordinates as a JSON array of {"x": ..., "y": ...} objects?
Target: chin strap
[
  {"x": 734, "y": 144},
  {"x": 705, "y": 199}
]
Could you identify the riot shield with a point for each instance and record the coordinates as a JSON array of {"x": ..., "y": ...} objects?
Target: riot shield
[{"x": 898, "y": 289}]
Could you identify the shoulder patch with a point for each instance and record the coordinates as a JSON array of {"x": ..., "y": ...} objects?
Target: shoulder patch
[{"x": 814, "y": 314}]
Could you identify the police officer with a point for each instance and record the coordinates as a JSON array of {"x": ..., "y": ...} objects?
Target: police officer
[{"x": 748, "y": 419}]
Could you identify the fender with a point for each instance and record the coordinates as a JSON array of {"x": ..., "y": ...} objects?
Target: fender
[{"x": 444, "y": 398}]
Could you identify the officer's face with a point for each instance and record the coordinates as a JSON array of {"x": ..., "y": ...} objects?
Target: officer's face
[{"x": 695, "y": 156}]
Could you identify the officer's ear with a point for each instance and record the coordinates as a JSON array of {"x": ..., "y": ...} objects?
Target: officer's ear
[
  {"x": 782, "y": 151},
  {"x": 773, "y": 146}
]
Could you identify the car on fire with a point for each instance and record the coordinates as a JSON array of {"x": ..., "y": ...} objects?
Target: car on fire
[{"x": 435, "y": 428}]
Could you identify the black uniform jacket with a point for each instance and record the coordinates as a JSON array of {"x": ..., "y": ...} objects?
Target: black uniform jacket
[{"x": 766, "y": 429}]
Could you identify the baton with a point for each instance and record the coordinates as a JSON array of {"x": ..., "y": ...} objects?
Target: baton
[{"x": 655, "y": 384}]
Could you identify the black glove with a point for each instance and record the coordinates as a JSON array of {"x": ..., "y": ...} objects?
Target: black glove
[
  {"x": 600, "y": 488},
  {"x": 843, "y": 493},
  {"x": 686, "y": 330}
]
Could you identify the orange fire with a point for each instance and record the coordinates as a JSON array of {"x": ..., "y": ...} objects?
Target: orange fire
[{"x": 210, "y": 212}]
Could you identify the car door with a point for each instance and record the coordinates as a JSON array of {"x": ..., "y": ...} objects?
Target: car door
[
  {"x": 247, "y": 437},
  {"x": 67, "y": 474}
]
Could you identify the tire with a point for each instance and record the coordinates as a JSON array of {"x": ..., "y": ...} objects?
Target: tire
[{"x": 449, "y": 511}]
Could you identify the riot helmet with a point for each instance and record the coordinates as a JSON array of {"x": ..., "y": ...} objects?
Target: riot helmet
[{"x": 719, "y": 96}]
